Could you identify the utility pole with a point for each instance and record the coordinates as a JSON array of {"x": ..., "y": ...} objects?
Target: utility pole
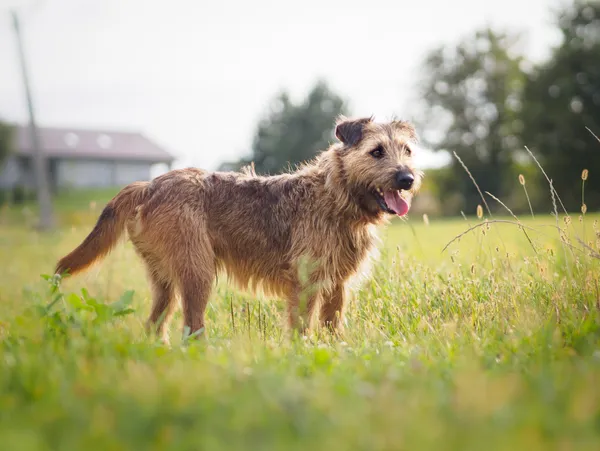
[{"x": 46, "y": 221}]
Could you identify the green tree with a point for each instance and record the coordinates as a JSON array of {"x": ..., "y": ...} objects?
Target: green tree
[
  {"x": 292, "y": 133},
  {"x": 470, "y": 95},
  {"x": 6, "y": 141},
  {"x": 561, "y": 99}
]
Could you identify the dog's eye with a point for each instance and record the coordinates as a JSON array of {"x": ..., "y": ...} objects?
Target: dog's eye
[
  {"x": 377, "y": 152},
  {"x": 408, "y": 150}
]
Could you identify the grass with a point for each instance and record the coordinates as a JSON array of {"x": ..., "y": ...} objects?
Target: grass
[{"x": 492, "y": 344}]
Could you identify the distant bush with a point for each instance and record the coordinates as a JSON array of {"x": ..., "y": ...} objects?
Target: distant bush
[
  {"x": 22, "y": 194},
  {"x": 4, "y": 197}
]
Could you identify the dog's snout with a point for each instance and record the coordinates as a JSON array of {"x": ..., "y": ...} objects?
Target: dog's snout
[{"x": 404, "y": 180}]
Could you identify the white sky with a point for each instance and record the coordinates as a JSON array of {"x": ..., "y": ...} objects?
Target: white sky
[{"x": 196, "y": 75}]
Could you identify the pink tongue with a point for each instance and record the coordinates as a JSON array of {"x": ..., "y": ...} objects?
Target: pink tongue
[{"x": 396, "y": 203}]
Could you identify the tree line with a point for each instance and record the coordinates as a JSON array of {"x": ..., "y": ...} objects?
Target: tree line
[{"x": 480, "y": 100}]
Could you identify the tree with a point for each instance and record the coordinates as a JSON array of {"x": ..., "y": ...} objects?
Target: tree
[
  {"x": 561, "y": 99},
  {"x": 292, "y": 133},
  {"x": 470, "y": 105},
  {"x": 6, "y": 141}
]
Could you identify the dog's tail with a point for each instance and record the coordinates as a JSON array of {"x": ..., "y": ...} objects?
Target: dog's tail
[{"x": 107, "y": 231}]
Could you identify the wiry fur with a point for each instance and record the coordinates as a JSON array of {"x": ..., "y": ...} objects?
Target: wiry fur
[{"x": 300, "y": 235}]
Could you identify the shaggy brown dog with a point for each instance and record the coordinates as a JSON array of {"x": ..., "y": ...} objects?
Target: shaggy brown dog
[{"x": 301, "y": 235}]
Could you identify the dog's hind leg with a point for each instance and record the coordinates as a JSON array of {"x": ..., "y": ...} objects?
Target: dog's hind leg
[
  {"x": 163, "y": 305},
  {"x": 195, "y": 272},
  {"x": 195, "y": 293},
  {"x": 163, "y": 293}
]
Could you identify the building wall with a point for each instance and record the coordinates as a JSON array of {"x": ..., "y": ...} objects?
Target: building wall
[
  {"x": 75, "y": 173},
  {"x": 126, "y": 173},
  {"x": 83, "y": 174},
  {"x": 17, "y": 171},
  {"x": 10, "y": 173},
  {"x": 99, "y": 174}
]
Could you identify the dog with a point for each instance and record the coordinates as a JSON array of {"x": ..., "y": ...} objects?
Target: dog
[{"x": 303, "y": 235}]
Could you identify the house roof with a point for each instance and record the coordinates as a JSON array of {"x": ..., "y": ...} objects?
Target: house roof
[{"x": 92, "y": 144}]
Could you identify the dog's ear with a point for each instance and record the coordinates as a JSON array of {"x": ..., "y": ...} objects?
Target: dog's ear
[{"x": 350, "y": 131}]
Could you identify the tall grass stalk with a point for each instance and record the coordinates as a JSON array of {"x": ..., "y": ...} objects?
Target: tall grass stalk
[
  {"x": 522, "y": 182},
  {"x": 484, "y": 202}
]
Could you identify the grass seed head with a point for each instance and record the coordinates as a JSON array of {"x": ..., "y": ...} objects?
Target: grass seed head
[
  {"x": 584, "y": 175},
  {"x": 479, "y": 211},
  {"x": 521, "y": 179}
]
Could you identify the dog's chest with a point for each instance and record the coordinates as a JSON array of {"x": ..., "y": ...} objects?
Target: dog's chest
[{"x": 346, "y": 249}]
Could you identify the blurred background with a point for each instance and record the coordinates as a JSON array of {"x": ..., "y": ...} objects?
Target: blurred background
[{"x": 95, "y": 94}]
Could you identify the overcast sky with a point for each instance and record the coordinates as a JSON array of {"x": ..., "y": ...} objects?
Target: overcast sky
[{"x": 196, "y": 75}]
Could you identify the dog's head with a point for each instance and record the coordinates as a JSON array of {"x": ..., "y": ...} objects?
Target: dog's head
[{"x": 376, "y": 160}]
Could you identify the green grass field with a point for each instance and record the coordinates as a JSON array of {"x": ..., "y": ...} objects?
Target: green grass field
[{"x": 493, "y": 344}]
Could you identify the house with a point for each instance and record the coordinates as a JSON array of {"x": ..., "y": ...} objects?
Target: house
[{"x": 83, "y": 158}]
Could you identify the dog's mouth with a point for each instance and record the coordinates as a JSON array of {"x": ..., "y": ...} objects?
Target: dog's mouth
[{"x": 392, "y": 202}]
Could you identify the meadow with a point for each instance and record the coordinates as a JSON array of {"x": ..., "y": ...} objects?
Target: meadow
[{"x": 492, "y": 343}]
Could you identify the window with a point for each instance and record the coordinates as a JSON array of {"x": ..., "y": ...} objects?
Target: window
[
  {"x": 71, "y": 140},
  {"x": 104, "y": 141}
]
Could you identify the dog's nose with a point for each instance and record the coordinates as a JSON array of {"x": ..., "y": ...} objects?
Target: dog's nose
[{"x": 404, "y": 180}]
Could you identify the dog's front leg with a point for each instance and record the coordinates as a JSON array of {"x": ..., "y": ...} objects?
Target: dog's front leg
[
  {"x": 301, "y": 307},
  {"x": 332, "y": 308}
]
